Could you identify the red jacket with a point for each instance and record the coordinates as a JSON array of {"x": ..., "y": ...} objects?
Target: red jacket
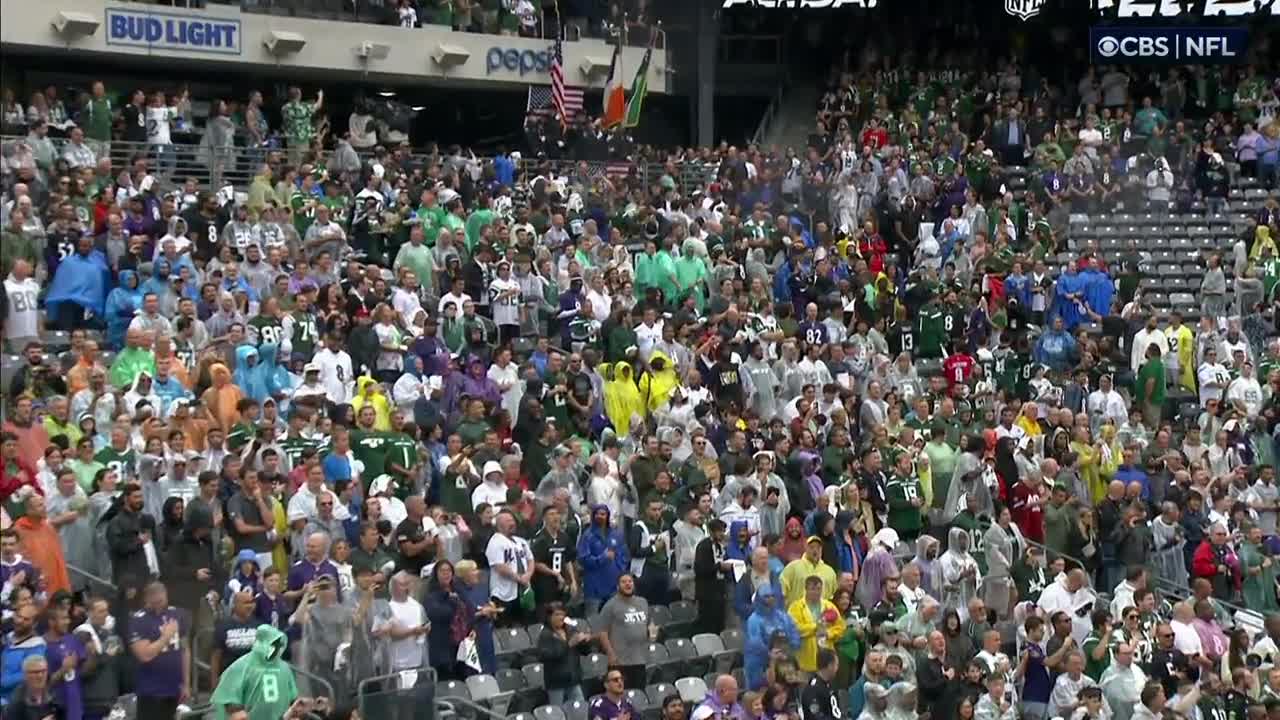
[
  {"x": 1205, "y": 561},
  {"x": 11, "y": 482},
  {"x": 1028, "y": 514}
]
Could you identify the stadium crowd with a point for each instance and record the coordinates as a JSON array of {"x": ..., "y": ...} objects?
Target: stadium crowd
[{"x": 867, "y": 409}]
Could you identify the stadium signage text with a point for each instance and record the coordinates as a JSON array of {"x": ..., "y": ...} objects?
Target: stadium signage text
[
  {"x": 1156, "y": 45},
  {"x": 523, "y": 61},
  {"x": 141, "y": 28},
  {"x": 804, "y": 4},
  {"x": 1024, "y": 9},
  {"x": 1174, "y": 8}
]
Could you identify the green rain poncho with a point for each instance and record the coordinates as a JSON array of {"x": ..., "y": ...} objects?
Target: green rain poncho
[
  {"x": 418, "y": 259},
  {"x": 129, "y": 363},
  {"x": 1259, "y": 587},
  {"x": 656, "y": 270},
  {"x": 261, "y": 681},
  {"x": 691, "y": 270}
]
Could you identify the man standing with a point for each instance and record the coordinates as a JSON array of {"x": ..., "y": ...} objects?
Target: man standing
[
  {"x": 647, "y": 543},
  {"x": 713, "y": 573},
  {"x": 555, "y": 579},
  {"x": 511, "y": 568},
  {"x": 158, "y": 635},
  {"x": 407, "y": 626},
  {"x": 817, "y": 699},
  {"x": 626, "y": 632}
]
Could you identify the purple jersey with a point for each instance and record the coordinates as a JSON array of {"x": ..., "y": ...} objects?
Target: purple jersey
[
  {"x": 162, "y": 677},
  {"x": 8, "y": 570},
  {"x": 304, "y": 571},
  {"x": 603, "y": 708},
  {"x": 272, "y": 611},
  {"x": 67, "y": 692}
]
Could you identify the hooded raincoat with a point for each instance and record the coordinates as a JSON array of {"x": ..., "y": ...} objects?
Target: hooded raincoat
[
  {"x": 600, "y": 574},
  {"x": 122, "y": 302},
  {"x": 768, "y": 618},
  {"x": 261, "y": 681},
  {"x": 368, "y": 392},
  {"x": 622, "y": 399}
]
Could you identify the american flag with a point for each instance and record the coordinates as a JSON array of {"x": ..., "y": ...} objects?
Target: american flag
[{"x": 561, "y": 99}]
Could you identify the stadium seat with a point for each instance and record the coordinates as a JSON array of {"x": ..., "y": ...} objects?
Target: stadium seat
[
  {"x": 594, "y": 666},
  {"x": 659, "y": 691},
  {"x": 686, "y": 658},
  {"x": 575, "y": 710},
  {"x": 549, "y": 712},
  {"x": 483, "y": 688},
  {"x": 513, "y": 645},
  {"x": 534, "y": 631},
  {"x": 712, "y": 646},
  {"x": 510, "y": 680},
  {"x": 534, "y": 677},
  {"x": 452, "y": 689},
  {"x": 522, "y": 716},
  {"x": 683, "y": 615},
  {"x": 660, "y": 615},
  {"x": 56, "y": 341},
  {"x": 692, "y": 689},
  {"x": 658, "y": 657},
  {"x": 640, "y": 701},
  {"x": 9, "y": 365}
]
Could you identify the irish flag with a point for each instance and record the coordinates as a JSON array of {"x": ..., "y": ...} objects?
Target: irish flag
[
  {"x": 615, "y": 103},
  {"x": 639, "y": 88}
]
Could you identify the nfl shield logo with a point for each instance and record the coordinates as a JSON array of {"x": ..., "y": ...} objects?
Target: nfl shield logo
[{"x": 1024, "y": 9}]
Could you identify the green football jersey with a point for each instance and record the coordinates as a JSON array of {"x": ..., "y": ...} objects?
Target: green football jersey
[
  {"x": 269, "y": 329},
  {"x": 123, "y": 463},
  {"x": 305, "y": 332}
]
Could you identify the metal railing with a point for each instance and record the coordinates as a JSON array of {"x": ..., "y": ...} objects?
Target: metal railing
[
  {"x": 376, "y": 697},
  {"x": 770, "y": 114},
  {"x": 1163, "y": 588},
  {"x": 237, "y": 165}
]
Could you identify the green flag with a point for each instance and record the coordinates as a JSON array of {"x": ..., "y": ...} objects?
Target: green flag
[{"x": 639, "y": 88}]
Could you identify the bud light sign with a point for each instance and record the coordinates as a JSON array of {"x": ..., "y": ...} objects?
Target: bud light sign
[{"x": 1200, "y": 46}]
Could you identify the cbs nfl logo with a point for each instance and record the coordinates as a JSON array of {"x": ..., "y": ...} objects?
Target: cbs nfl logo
[{"x": 1023, "y": 9}]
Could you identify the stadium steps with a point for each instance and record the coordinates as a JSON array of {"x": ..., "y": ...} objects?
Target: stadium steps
[{"x": 795, "y": 118}]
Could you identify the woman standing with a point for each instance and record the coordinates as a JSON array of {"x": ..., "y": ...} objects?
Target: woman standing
[
  {"x": 559, "y": 646},
  {"x": 450, "y": 620}
]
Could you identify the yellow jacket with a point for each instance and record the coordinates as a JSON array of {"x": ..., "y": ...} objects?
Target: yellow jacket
[
  {"x": 1184, "y": 342},
  {"x": 799, "y": 570},
  {"x": 808, "y": 626},
  {"x": 368, "y": 392}
]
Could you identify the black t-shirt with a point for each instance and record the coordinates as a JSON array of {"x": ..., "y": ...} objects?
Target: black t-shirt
[
  {"x": 556, "y": 552},
  {"x": 410, "y": 530},
  {"x": 234, "y": 637},
  {"x": 1163, "y": 665},
  {"x": 135, "y": 128},
  {"x": 817, "y": 702}
]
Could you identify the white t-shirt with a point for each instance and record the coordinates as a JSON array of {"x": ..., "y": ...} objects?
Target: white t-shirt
[
  {"x": 1212, "y": 373},
  {"x": 507, "y": 310},
  {"x": 457, "y": 300},
  {"x": 158, "y": 119},
  {"x": 513, "y": 552},
  {"x": 23, "y": 317},
  {"x": 410, "y": 652}
]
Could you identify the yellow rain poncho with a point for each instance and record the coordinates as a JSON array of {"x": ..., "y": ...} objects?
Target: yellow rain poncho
[
  {"x": 1262, "y": 239},
  {"x": 656, "y": 385},
  {"x": 369, "y": 392},
  {"x": 1185, "y": 342},
  {"x": 622, "y": 398}
]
